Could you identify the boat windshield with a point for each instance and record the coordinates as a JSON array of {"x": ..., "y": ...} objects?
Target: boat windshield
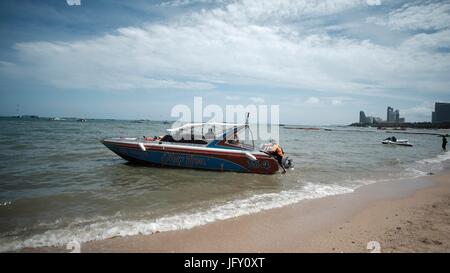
[{"x": 238, "y": 135}]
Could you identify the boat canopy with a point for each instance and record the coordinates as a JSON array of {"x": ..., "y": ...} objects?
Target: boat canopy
[
  {"x": 189, "y": 126},
  {"x": 217, "y": 128}
]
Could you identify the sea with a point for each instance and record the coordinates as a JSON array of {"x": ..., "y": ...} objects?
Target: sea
[{"x": 59, "y": 184}]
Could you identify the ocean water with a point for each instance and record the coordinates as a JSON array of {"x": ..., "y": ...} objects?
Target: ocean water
[{"x": 58, "y": 183}]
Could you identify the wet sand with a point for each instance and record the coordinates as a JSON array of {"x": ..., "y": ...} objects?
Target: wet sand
[{"x": 402, "y": 216}]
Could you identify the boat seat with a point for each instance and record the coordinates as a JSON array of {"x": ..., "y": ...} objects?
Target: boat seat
[{"x": 169, "y": 138}]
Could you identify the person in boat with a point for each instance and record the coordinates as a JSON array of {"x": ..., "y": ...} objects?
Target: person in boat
[
  {"x": 393, "y": 139},
  {"x": 210, "y": 134},
  {"x": 235, "y": 139},
  {"x": 444, "y": 143}
]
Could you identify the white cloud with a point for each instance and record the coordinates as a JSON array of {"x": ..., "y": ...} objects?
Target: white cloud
[
  {"x": 427, "y": 16},
  {"x": 312, "y": 100},
  {"x": 419, "y": 112},
  {"x": 236, "y": 45},
  {"x": 232, "y": 97},
  {"x": 256, "y": 100},
  {"x": 73, "y": 2},
  {"x": 336, "y": 102},
  {"x": 424, "y": 108},
  {"x": 424, "y": 41},
  {"x": 180, "y": 3},
  {"x": 373, "y": 2}
]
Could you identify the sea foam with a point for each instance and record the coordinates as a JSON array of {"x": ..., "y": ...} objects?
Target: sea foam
[{"x": 104, "y": 229}]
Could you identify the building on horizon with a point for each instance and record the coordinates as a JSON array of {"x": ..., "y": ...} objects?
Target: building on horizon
[
  {"x": 393, "y": 116},
  {"x": 363, "y": 119},
  {"x": 390, "y": 114},
  {"x": 441, "y": 112}
]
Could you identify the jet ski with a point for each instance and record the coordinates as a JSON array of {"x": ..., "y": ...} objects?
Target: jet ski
[{"x": 399, "y": 142}]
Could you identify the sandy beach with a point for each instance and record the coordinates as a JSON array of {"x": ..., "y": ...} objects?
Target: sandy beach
[{"x": 398, "y": 216}]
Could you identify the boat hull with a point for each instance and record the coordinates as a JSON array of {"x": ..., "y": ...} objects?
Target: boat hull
[{"x": 193, "y": 158}]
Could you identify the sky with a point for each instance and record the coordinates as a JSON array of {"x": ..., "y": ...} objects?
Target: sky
[{"x": 321, "y": 61}]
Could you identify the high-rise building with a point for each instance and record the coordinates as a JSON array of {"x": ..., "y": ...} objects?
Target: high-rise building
[
  {"x": 396, "y": 116},
  {"x": 393, "y": 116},
  {"x": 441, "y": 112},
  {"x": 362, "y": 117},
  {"x": 390, "y": 114}
]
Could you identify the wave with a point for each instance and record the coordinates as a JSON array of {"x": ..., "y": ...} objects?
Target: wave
[
  {"x": 444, "y": 156},
  {"x": 426, "y": 166},
  {"x": 96, "y": 229}
]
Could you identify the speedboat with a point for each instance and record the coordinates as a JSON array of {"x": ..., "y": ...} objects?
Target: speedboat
[
  {"x": 187, "y": 146},
  {"x": 399, "y": 142}
]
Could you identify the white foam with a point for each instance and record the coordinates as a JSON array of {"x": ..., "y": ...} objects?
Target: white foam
[
  {"x": 444, "y": 156},
  {"x": 415, "y": 173},
  {"x": 104, "y": 229}
]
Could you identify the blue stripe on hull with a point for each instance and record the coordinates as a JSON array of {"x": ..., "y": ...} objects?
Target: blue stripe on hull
[{"x": 175, "y": 159}]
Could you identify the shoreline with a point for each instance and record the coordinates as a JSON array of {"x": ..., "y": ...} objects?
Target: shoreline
[{"x": 410, "y": 215}]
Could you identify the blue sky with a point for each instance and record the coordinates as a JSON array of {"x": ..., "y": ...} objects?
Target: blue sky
[{"x": 321, "y": 61}]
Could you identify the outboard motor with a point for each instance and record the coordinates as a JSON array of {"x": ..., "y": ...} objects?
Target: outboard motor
[{"x": 287, "y": 163}]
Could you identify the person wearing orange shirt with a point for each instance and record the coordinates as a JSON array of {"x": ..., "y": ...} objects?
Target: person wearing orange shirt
[{"x": 278, "y": 153}]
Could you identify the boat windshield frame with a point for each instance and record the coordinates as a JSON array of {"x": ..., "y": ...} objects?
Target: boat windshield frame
[{"x": 226, "y": 134}]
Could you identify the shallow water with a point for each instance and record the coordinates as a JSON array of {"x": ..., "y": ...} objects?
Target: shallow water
[{"x": 59, "y": 183}]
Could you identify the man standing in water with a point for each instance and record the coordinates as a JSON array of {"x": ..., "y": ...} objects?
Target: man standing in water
[
  {"x": 444, "y": 143},
  {"x": 278, "y": 153}
]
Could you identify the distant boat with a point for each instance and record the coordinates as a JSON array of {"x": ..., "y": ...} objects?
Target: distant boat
[
  {"x": 53, "y": 119},
  {"x": 30, "y": 116},
  {"x": 81, "y": 120},
  {"x": 166, "y": 122},
  {"x": 302, "y": 128}
]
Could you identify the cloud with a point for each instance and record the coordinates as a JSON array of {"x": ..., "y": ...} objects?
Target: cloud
[
  {"x": 181, "y": 3},
  {"x": 373, "y": 2},
  {"x": 256, "y": 100},
  {"x": 243, "y": 43},
  {"x": 425, "y": 107},
  {"x": 427, "y": 16},
  {"x": 336, "y": 102},
  {"x": 232, "y": 97},
  {"x": 419, "y": 112},
  {"x": 425, "y": 41},
  {"x": 312, "y": 100},
  {"x": 73, "y": 2}
]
